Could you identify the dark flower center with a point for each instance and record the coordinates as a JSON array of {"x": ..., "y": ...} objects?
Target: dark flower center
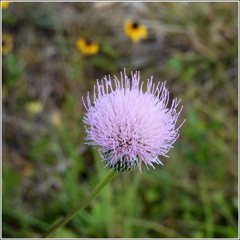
[
  {"x": 135, "y": 25},
  {"x": 88, "y": 41}
]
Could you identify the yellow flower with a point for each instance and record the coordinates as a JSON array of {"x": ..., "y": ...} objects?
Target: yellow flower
[
  {"x": 56, "y": 118},
  {"x": 5, "y": 5},
  {"x": 135, "y": 30},
  {"x": 34, "y": 107},
  {"x": 87, "y": 46},
  {"x": 7, "y": 43}
]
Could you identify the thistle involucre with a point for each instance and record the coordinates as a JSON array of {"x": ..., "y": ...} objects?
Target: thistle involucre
[{"x": 131, "y": 126}]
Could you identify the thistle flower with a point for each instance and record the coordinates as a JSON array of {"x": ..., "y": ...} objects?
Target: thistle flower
[
  {"x": 135, "y": 30},
  {"x": 131, "y": 126},
  {"x": 87, "y": 46}
]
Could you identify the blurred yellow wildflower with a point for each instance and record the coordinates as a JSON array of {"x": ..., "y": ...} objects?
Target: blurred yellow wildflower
[
  {"x": 87, "y": 46},
  {"x": 7, "y": 43},
  {"x": 5, "y": 5},
  {"x": 34, "y": 107},
  {"x": 135, "y": 30},
  {"x": 56, "y": 118}
]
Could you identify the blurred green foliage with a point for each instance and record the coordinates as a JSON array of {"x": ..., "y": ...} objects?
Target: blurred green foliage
[{"x": 47, "y": 169}]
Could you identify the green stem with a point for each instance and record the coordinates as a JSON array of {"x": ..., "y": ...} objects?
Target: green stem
[{"x": 82, "y": 205}]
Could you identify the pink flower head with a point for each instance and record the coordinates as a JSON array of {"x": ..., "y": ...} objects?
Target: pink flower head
[{"x": 130, "y": 125}]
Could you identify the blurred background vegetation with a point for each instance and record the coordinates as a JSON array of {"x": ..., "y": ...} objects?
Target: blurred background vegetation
[{"x": 47, "y": 169}]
